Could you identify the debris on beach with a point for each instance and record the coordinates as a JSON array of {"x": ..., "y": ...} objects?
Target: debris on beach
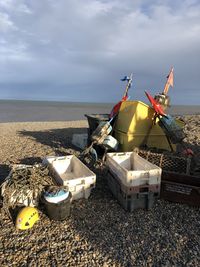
[
  {"x": 26, "y": 218},
  {"x": 138, "y": 125},
  {"x": 133, "y": 180},
  {"x": 57, "y": 202},
  {"x": 80, "y": 140},
  {"x": 86, "y": 225},
  {"x": 24, "y": 185},
  {"x": 163, "y": 98},
  {"x": 71, "y": 172}
]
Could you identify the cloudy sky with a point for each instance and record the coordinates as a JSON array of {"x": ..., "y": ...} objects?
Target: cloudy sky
[{"x": 77, "y": 50}]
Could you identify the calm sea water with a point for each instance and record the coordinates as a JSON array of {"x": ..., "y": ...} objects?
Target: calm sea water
[{"x": 21, "y": 110}]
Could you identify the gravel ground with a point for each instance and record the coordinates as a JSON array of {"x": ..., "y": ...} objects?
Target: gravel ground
[{"x": 99, "y": 232}]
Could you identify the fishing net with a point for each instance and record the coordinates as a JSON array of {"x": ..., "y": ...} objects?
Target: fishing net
[{"x": 24, "y": 185}]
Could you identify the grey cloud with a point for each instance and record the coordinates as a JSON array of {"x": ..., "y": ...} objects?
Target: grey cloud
[{"x": 88, "y": 45}]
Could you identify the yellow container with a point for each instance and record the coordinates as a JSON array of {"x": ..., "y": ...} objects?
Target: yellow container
[
  {"x": 134, "y": 117},
  {"x": 133, "y": 127},
  {"x": 127, "y": 142}
]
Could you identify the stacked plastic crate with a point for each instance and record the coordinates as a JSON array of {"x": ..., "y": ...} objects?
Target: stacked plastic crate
[{"x": 134, "y": 181}]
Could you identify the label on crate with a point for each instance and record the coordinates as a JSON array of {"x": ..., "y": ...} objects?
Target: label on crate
[{"x": 178, "y": 189}]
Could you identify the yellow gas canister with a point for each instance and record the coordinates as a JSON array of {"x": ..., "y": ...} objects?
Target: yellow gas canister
[{"x": 133, "y": 127}]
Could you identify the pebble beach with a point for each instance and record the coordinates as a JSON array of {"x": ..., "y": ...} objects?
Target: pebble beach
[{"x": 98, "y": 232}]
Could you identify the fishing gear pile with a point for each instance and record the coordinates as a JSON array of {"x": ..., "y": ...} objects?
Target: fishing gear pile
[{"x": 24, "y": 185}]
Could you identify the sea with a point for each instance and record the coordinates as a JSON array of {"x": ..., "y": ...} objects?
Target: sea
[{"x": 29, "y": 111}]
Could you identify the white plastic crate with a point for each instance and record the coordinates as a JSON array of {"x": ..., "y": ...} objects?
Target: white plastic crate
[
  {"x": 132, "y": 169},
  {"x": 71, "y": 172}
]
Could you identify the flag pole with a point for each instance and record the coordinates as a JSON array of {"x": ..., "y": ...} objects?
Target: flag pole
[
  {"x": 170, "y": 81},
  {"x": 128, "y": 85}
]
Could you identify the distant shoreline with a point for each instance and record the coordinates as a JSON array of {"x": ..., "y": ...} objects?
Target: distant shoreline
[
  {"x": 80, "y": 103},
  {"x": 34, "y": 111},
  {"x": 49, "y": 102}
]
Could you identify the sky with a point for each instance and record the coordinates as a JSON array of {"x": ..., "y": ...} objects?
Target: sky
[{"x": 75, "y": 50}]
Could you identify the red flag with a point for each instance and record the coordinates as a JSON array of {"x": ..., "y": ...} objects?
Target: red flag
[
  {"x": 156, "y": 106},
  {"x": 116, "y": 108},
  {"x": 170, "y": 81}
]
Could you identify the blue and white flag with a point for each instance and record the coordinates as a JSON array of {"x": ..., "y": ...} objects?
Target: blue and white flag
[{"x": 126, "y": 78}]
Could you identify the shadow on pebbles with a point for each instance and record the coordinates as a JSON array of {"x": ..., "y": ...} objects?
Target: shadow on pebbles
[{"x": 98, "y": 232}]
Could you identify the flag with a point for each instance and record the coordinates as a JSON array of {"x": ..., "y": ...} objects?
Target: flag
[
  {"x": 170, "y": 81},
  {"x": 125, "y": 97},
  {"x": 170, "y": 77},
  {"x": 126, "y": 78},
  {"x": 156, "y": 106},
  {"x": 116, "y": 108}
]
